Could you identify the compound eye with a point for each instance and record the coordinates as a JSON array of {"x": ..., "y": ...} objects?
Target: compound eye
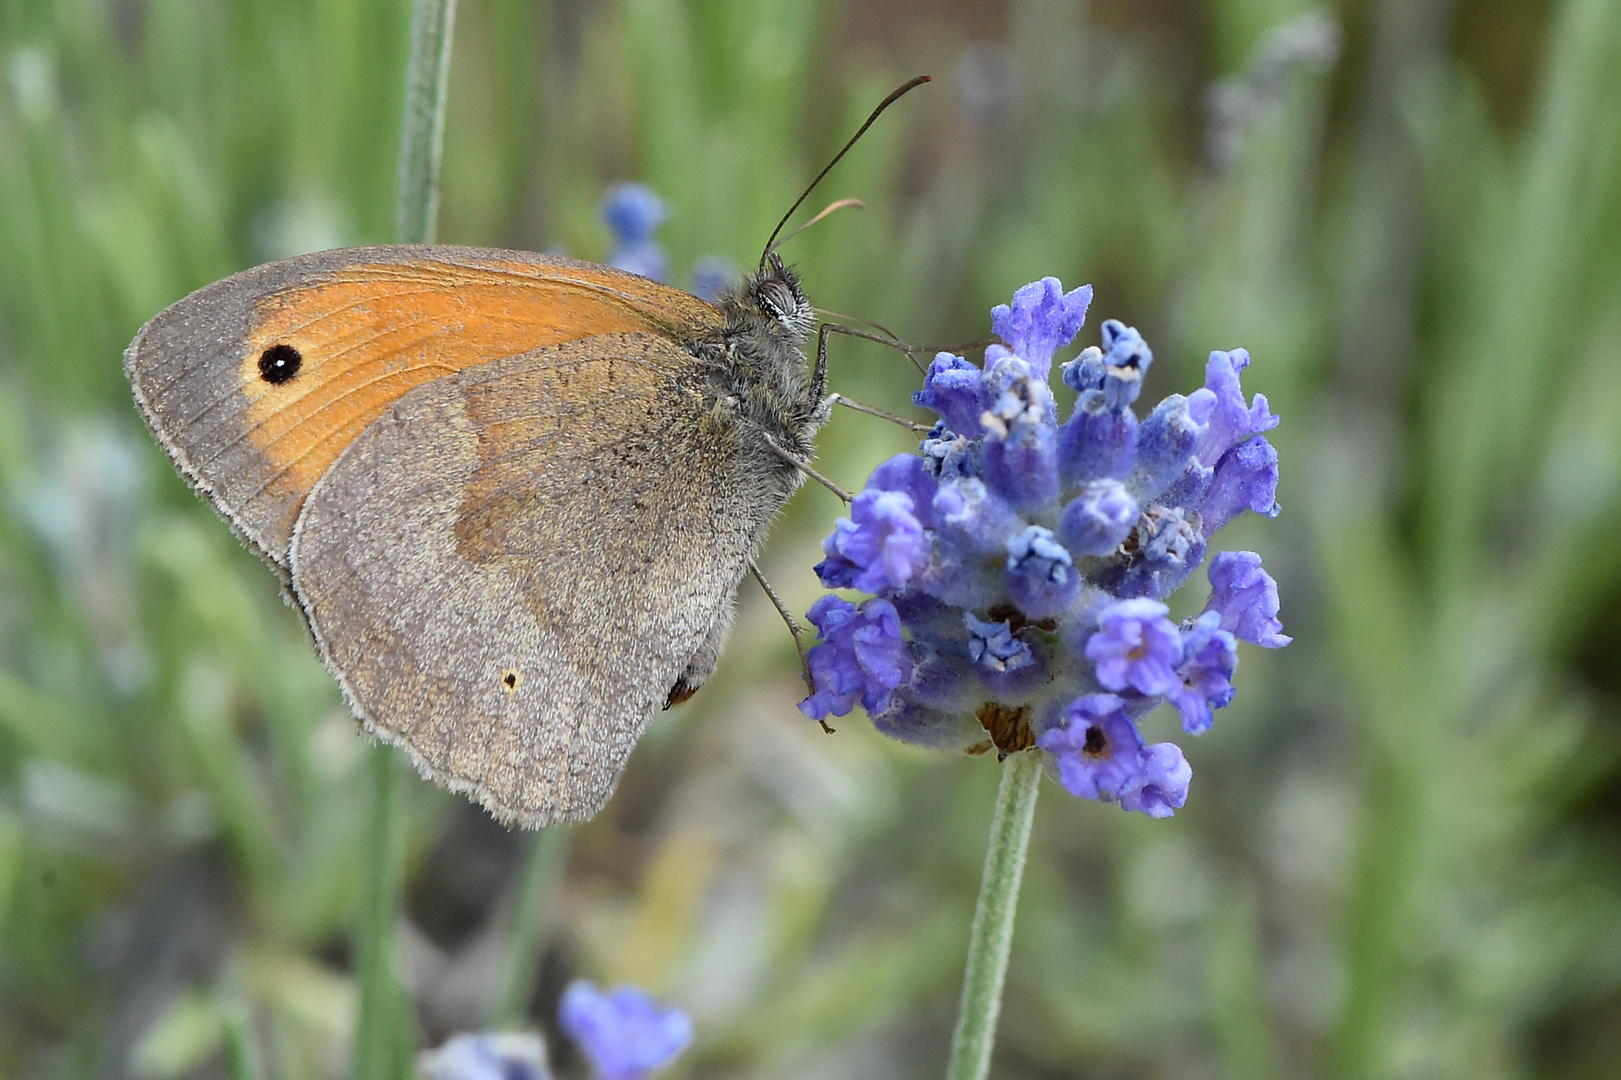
[{"x": 777, "y": 297}]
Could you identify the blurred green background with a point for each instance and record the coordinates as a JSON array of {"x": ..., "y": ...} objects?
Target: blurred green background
[{"x": 1400, "y": 856}]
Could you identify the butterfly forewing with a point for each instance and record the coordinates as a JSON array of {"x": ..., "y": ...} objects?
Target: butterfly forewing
[{"x": 257, "y": 383}]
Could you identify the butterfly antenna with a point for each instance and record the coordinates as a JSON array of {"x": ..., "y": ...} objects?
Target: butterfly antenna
[
  {"x": 841, "y": 204},
  {"x": 895, "y": 95}
]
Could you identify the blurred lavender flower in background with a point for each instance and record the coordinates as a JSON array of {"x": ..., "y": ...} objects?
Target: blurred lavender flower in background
[
  {"x": 623, "y": 1032},
  {"x": 633, "y": 213},
  {"x": 713, "y": 275},
  {"x": 487, "y": 1055},
  {"x": 1018, "y": 565}
]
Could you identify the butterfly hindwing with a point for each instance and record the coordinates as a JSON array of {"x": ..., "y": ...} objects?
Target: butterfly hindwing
[{"x": 510, "y": 569}]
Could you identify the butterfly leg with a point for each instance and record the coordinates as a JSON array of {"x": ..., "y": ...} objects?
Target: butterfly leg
[
  {"x": 839, "y": 399},
  {"x": 793, "y": 628},
  {"x": 805, "y": 467}
]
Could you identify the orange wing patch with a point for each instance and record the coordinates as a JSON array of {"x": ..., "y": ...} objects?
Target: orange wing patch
[{"x": 366, "y": 334}]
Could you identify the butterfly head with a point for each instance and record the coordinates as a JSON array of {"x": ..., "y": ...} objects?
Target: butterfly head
[{"x": 771, "y": 302}]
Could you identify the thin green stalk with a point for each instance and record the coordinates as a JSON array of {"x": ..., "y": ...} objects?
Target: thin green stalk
[
  {"x": 382, "y": 1041},
  {"x": 383, "y": 1038},
  {"x": 991, "y": 936},
  {"x": 543, "y": 862},
  {"x": 427, "y": 78},
  {"x": 242, "y": 1060}
]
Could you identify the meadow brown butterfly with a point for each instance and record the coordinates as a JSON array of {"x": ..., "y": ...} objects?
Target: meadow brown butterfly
[{"x": 512, "y": 495}]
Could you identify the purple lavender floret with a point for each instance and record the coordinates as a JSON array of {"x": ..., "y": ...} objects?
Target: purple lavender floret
[
  {"x": 1209, "y": 658},
  {"x": 1246, "y": 598},
  {"x": 862, "y": 658},
  {"x": 1019, "y": 565},
  {"x": 1100, "y": 755},
  {"x": 1042, "y": 319},
  {"x": 623, "y": 1032}
]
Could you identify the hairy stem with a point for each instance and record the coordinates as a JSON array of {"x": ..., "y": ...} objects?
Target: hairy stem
[{"x": 991, "y": 936}]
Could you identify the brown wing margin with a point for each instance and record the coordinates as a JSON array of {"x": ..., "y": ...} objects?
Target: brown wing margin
[
  {"x": 510, "y": 569},
  {"x": 367, "y": 325}
]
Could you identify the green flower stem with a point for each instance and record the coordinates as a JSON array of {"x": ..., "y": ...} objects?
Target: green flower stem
[
  {"x": 382, "y": 1048},
  {"x": 383, "y": 1038},
  {"x": 543, "y": 863},
  {"x": 427, "y": 78},
  {"x": 991, "y": 936}
]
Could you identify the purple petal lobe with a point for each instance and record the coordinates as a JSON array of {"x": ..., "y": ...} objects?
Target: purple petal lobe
[
  {"x": 1136, "y": 647},
  {"x": 1231, "y": 420},
  {"x": 880, "y": 546},
  {"x": 1246, "y": 478},
  {"x": 1246, "y": 598},
  {"x": 952, "y": 389},
  {"x": 1041, "y": 320},
  {"x": 1209, "y": 658}
]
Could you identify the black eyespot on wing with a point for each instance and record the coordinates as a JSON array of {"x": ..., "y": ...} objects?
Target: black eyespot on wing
[
  {"x": 510, "y": 679},
  {"x": 279, "y": 363}
]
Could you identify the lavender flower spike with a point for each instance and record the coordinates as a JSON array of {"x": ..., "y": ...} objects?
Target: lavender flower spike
[{"x": 1019, "y": 568}]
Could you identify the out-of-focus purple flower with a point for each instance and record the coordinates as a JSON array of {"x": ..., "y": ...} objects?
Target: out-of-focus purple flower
[
  {"x": 1209, "y": 658},
  {"x": 1042, "y": 319},
  {"x": 863, "y": 657},
  {"x": 633, "y": 214},
  {"x": 633, "y": 211},
  {"x": 624, "y": 1033},
  {"x": 1246, "y": 598},
  {"x": 1026, "y": 562},
  {"x": 486, "y": 1055},
  {"x": 1100, "y": 755},
  {"x": 1136, "y": 647},
  {"x": 713, "y": 275}
]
